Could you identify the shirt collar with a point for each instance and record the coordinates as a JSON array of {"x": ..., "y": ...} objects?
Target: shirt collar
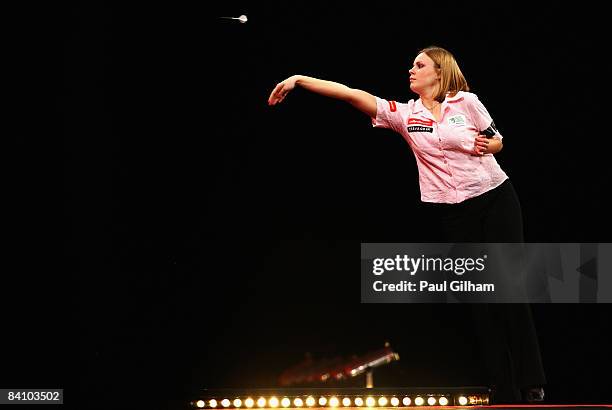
[
  {"x": 419, "y": 107},
  {"x": 457, "y": 97}
]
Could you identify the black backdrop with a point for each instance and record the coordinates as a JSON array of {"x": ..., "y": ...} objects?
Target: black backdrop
[{"x": 215, "y": 239}]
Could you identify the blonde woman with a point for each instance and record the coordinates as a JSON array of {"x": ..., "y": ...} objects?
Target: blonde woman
[{"x": 466, "y": 195}]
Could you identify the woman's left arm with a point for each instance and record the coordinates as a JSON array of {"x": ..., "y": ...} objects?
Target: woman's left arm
[{"x": 484, "y": 145}]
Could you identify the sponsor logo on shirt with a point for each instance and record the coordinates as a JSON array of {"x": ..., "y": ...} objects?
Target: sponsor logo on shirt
[
  {"x": 420, "y": 121},
  {"x": 392, "y": 106},
  {"x": 419, "y": 128},
  {"x": 457, "y": 120}
]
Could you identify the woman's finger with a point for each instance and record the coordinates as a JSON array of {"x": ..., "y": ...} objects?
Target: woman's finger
[
  {"x": 275, "y": 94},
  {"x": 273, "y": 91},
  {"x": 276, "y": 90}
]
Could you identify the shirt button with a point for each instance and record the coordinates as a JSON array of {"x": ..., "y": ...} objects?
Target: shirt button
[{"x": 445, "y": 161}]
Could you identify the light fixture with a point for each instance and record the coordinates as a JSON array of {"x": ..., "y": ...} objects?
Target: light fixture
[{"x": 333, "y": 399}]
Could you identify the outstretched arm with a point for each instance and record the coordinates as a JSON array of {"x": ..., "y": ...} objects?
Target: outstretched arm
[{"x": 363, "y": 101}]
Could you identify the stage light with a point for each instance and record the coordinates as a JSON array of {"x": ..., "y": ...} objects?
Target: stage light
[{"x": 328, "y": 399}]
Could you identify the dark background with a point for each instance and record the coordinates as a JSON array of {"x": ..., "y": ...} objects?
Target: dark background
[{"x": 214, "y": 240}]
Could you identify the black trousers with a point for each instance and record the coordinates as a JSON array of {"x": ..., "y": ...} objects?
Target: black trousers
[
  {"x": 494, "y": 216},
  {"x": 510, "y": 357}
]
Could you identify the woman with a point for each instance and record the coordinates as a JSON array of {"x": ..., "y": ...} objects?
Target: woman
[{"x": 464, "y": 191}]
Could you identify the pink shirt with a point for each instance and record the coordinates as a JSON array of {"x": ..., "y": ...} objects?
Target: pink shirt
[{"x": 448, "y": 172}]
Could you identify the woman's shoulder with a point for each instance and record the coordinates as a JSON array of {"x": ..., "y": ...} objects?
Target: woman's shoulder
[
  {"x": 395, "y": 105},
  {"x": 462, "y": 96},
  {"x": 407, "y": 107}
]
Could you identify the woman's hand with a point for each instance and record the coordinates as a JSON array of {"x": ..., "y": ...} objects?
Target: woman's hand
[
  {"x": 481, "y": 145},
  {"x": 281, "y": 90},
  {"x": 484, "y": 145}
]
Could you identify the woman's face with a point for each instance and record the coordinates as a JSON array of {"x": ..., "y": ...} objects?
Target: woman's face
[{"x": 424, "y": 76}]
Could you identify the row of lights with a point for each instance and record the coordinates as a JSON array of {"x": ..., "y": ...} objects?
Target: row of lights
[{"x": 274, "y": 402}]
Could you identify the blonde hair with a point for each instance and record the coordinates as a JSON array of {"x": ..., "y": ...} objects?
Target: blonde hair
[{"x": 451, "y": 78}]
